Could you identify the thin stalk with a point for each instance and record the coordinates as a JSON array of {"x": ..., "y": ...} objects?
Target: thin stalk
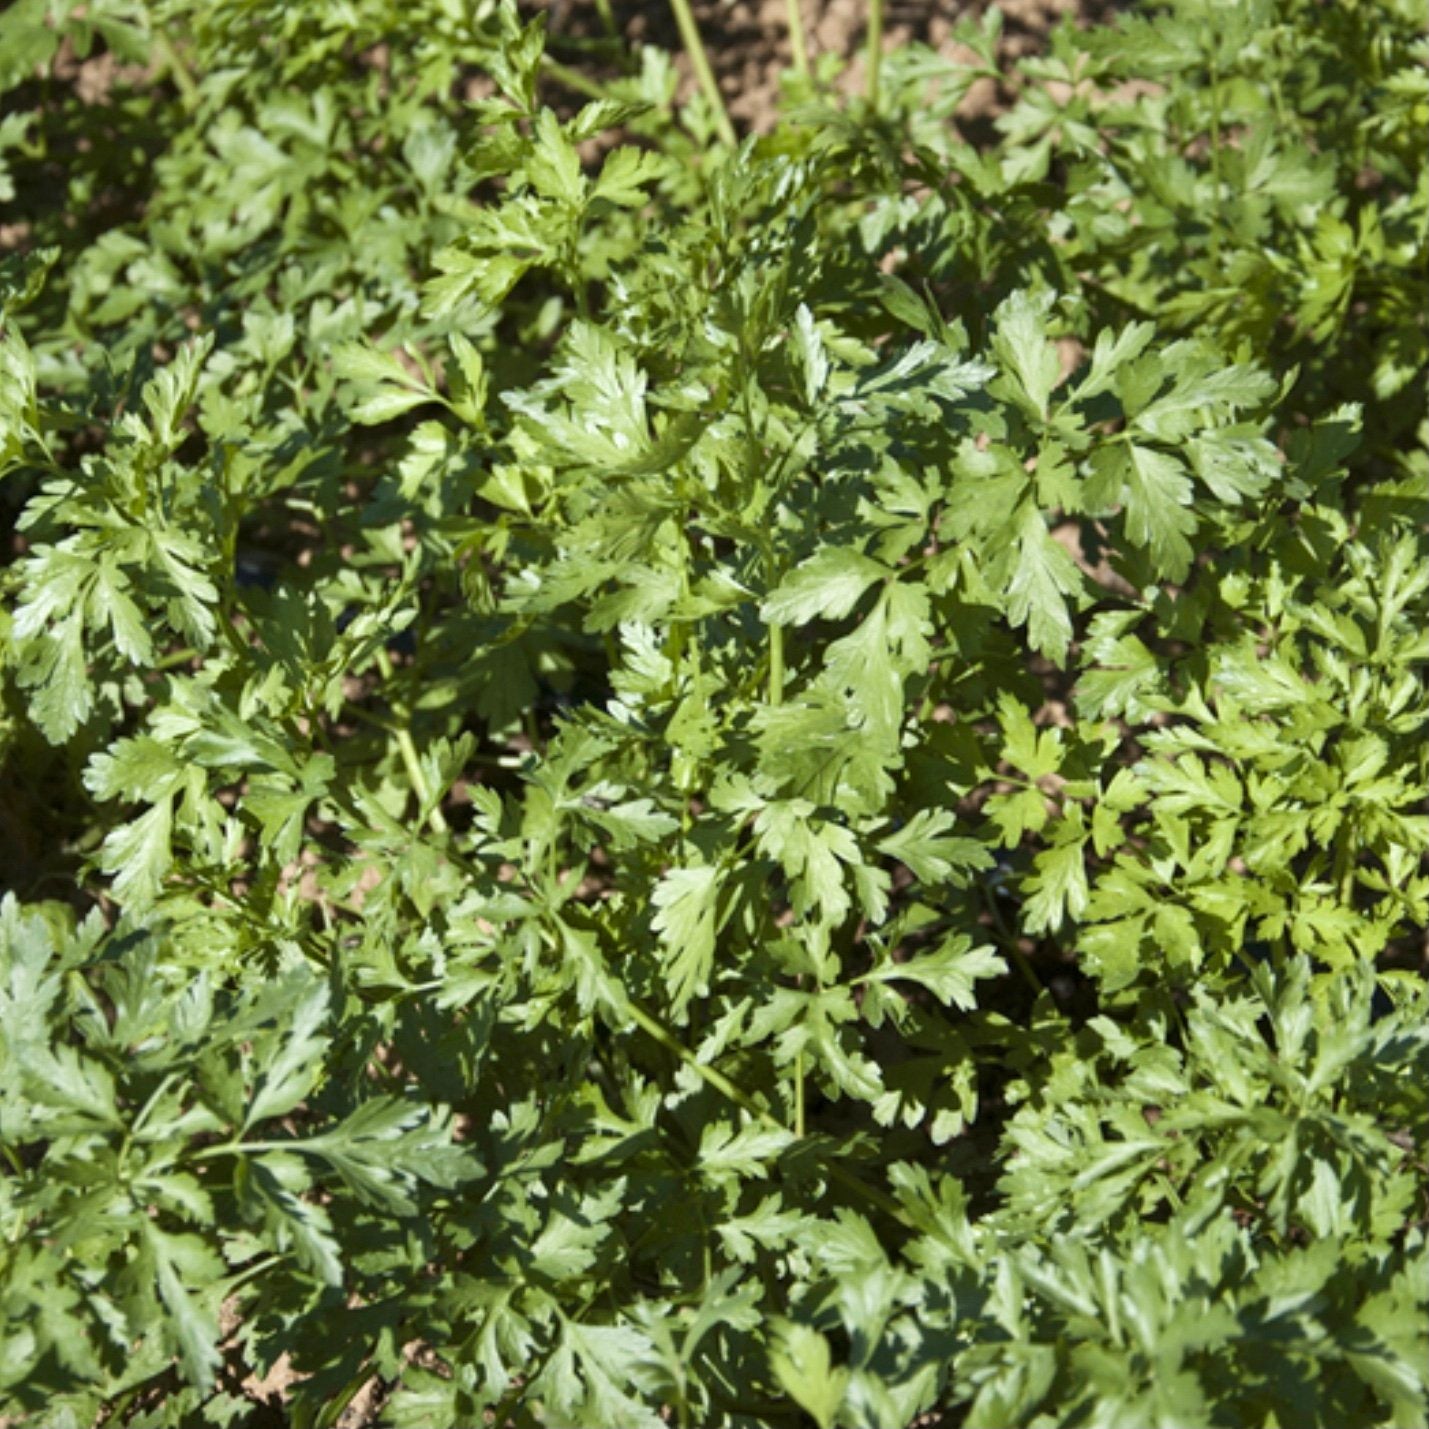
[
  {"x": 387, "y": 726},
  {"x": 266, "y": 1262},
  {"x": 369, "y": 717},
  {"x": 410, "y": 759},
  {"x": 1345, "y": 867},
  {"x": 1172, "y": 1193},
  {"x": 1215, "y": 156},
  {"x": 138, "y": 1122},
  {"x": 875, "y": 50},
  {"x": 244, "y": 1148},
  {"x": 798, "y": 45},
  {"x": 183, "y": 79},
  {"x": 419, "y": 781},
  {"x": 1009, "y": 941},
  {"x": 799, "y": 1122},
  {"x": 700, "y": 63},
  {"x": 776, "y": 664},
  {"x": 502, "y": 1415},
  {"x": 712, "y": 1075},
  {"x": 722, "y": 1084},
  {"x": 573, "y": 79}
]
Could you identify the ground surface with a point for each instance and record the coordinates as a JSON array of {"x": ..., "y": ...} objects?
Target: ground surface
[{"x": 748, "y": 40}]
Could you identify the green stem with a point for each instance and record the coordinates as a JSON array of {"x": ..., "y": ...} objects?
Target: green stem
[
  {"x": 1009, "y": 941},
  {"x": 266, "y": 1262},
  {"x": 573, "y": 79},
  {"x": 712, "y": 1075},
  {"x": 419, "y": 782},
  {"x": 387, "y": 726},
  {"x": 1345, "y": 868},
  {"x": 242, "y": 1148},
  {"x": 138, "y": 1122},
  {"x": 722, "y": 1084},
  {"x": 700, "y": 63},
  {"x": 1215, "y": 156},
  {"x": 798, "y": 45},
  {"x": 1172, "y": 1194},
  {"x": 875, "y": 50},
  {"x": 799, "y": 1121},
  {"x": 502, "y": 1415},
  {"x": 410, "y": 759},
  {"x": 776, "y": 664},
  {"x": 183, "y": 80},
  {"x": 367, "y": 716}
]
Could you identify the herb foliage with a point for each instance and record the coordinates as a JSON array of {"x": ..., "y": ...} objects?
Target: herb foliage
[{"x": 761, "y": 787}]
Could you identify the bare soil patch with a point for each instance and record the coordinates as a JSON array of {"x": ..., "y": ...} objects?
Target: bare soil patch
[{"x": 748, "y": 40}]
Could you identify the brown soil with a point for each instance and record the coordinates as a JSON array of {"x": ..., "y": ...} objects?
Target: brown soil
[{"x": 748, "y": 40}]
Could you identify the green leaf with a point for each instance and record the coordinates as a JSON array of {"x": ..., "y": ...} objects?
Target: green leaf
[
  {"x": 744, "y": 1151},
  {"x": 686, "y": 904},
  {"x": 1024, "y": 350},
  {"x": 1058, "y": 886},
  {"x": 139, "y": 854},
  {"x": 385, "y": 387},
  {"x": 1043, "y": 576},
  {"x": 194, "y": 1326},
  {"x": 950, "y": 972},
  {"x": 1157, "y": 494},
  {"x": 554, "y": 167},
  {"x": 1035, "y": 752},
  {"x": 627, "y": 175},
  {"x": 924, "y": 847},
  {"x": 813, "y": 359},
  {"x": 813, "y": 853},
  {"x": 141, "y": 768},
  {"x": 294, "y": 1065},
  {"x": 826, "y": 586},
  {"x": 803, "y": 1365}
]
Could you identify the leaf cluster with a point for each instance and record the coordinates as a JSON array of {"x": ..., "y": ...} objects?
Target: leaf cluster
[{"x": 652, "y": 783}]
